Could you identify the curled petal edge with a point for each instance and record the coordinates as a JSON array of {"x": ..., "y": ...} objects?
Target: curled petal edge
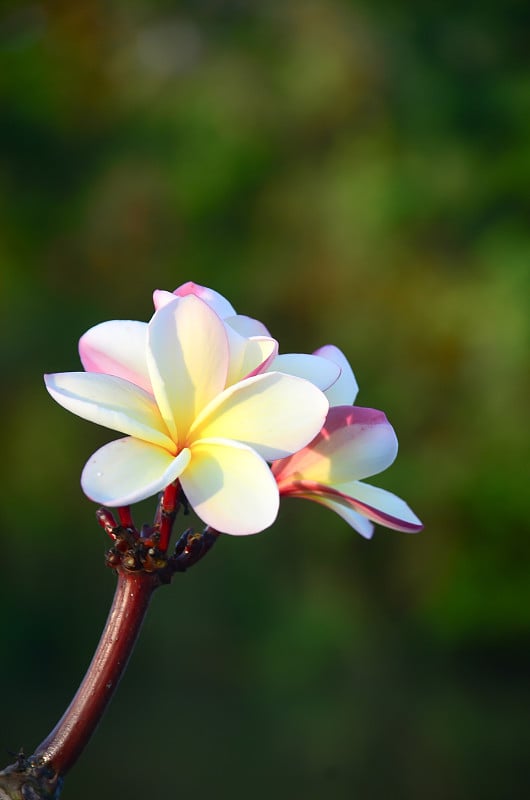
[
  {"x": 320, "y": 493},
  {"x": 345, "y": 389}
]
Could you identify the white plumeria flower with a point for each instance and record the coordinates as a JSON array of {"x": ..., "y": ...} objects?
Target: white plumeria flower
[
  {"x": 354, "y": 443},
  {"x": 343, "y": 441},
  {"x": 166, "y": 385}
]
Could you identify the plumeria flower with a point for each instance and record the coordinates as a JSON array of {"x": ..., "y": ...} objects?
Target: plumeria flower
[
  {"x": 166, "y": 384},
  {"x": 354, "y": 443},
  {"x": 348, "y": 438}
]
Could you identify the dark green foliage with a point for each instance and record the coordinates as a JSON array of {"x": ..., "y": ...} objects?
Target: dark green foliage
[{"x": 354, "y": 173}]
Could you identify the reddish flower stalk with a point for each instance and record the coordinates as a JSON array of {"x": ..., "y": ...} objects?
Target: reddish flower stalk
[
  {"x": 141, "y": 567},
  {"x": 40, "y": 776},
  {"x": 63, "y": 746},
  {"x": 166, "y": 513},
  {"x": 125, "y": 515}
]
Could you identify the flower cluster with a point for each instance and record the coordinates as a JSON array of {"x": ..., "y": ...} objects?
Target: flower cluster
[{"x": 205, "y": 399}]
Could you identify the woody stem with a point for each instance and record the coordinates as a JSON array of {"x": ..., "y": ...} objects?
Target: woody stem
[{"x": 63, "y": 746}]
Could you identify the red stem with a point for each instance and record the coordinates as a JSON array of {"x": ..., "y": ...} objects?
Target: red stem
[
  {"x": 166, "y": 514},
  {"x": 125, "y": 515},
  {"x": 65, "y": 743}
]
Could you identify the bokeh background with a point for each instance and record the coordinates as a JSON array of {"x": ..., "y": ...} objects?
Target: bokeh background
[{"x": 348, "y": 172}]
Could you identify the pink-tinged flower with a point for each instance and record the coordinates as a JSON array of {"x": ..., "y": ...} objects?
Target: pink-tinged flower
[
  {"x": 246, "y": 326},
  {"x": 354, "y": 444},
  {"x": 119, "y": 347},
  {"x": 166, "y": 385},
  {"x": 321, "y": 369}
]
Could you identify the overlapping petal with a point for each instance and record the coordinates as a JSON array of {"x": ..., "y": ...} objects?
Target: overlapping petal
[
  {"x": 381, "y": 506},
  {"x": 248, "y": 356},
  {"x": 258, "y": 353},
  {"x": 161, "y": 298},
  {"x": 344, "y": 391},
  {"x": 187, "y": 357},
  {"x": 222, "y": 307},
  {"x": 322, "y": 372},
  {"x": 128, "y": 470},
  {"x": 112, "y": 402},
  {"x": 117, "y": 348},
  {"x": 247, "y": 326},
  {"x": 273, "y": 413},
  {"x": 230, "y": 487},
  {"x": 216, "y": 301},
  {"x": 354, "y": 443}
]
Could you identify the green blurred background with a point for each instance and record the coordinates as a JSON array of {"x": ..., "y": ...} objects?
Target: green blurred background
[{"x": 348, "y": 172}]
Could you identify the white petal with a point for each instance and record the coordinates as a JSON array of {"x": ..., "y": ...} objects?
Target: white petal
[
  {"x": 247, "y": 326},
  {"x": 259, "y": 352},
  {"x": 273, "y": 413},
  {"x": 187, "y": 356},
  {"x": 161, "y": 298},
  {"x": 230, "y": 487},
  {"x": 320, "y": 371},
  {"x": 383, "y": 507},
  {"x": 354, "y": 443},
  {"x": 126, "y": 471},
  {"x": 248, "y": 356},
  {"x": 216, "y": 301},
  {"x": 117, "y": 348},
  {"x": 344, "y": 391},
  {"x": 111, "y": 402}
]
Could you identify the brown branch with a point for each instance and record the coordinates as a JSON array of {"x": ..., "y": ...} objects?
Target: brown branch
[
  {"x": 141, "y": 568},
  {"x": 39, "y": 777},
  {"x": 65, "y": 743}
]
